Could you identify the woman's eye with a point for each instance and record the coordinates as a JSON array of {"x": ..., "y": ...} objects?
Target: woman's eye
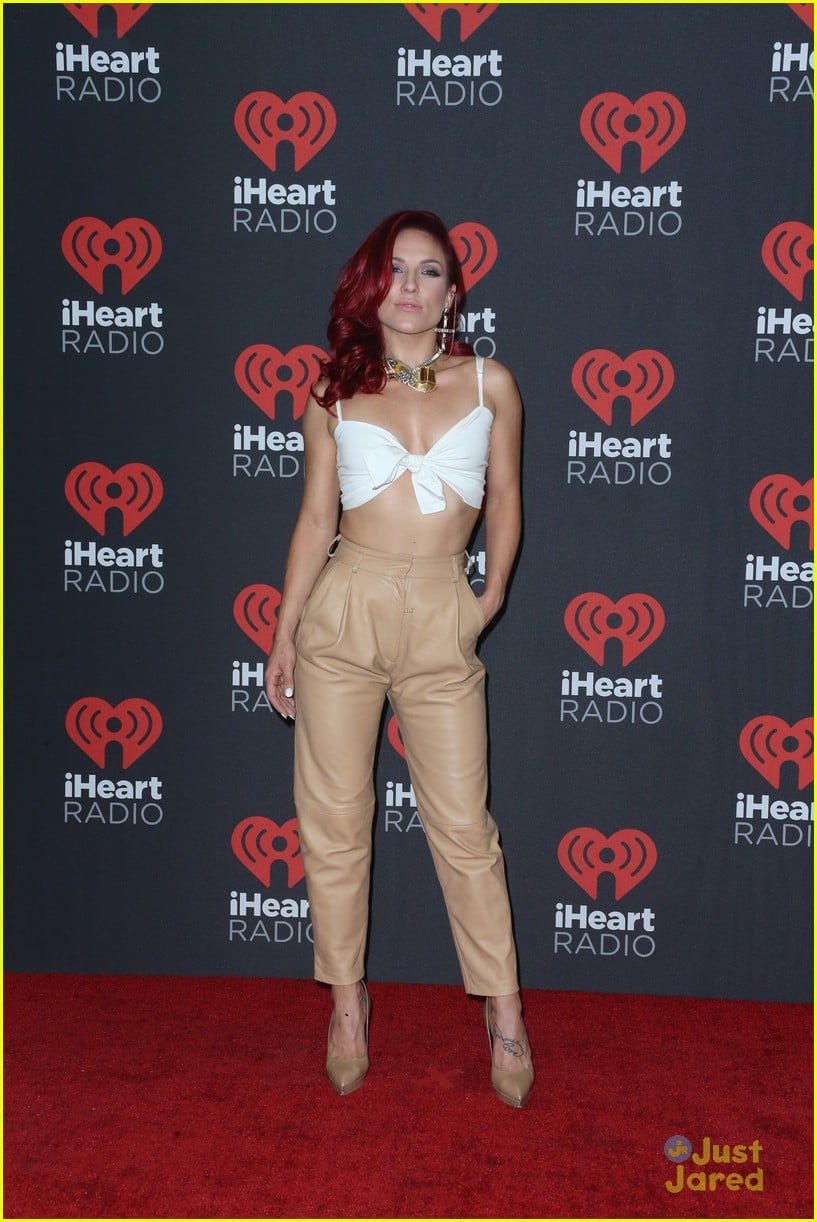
[{"x": 432, "y": 271}]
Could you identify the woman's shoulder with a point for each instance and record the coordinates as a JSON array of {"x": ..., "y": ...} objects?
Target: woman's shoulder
[
  {"x": 315, "y": 409},
  {"x": 497, "y": 380},
  {"x": 467, "y": 364},
  {"x": 318, "y": 389},
  {"x": 492, "y": 366},
  {"x": 498, "y": 377}
]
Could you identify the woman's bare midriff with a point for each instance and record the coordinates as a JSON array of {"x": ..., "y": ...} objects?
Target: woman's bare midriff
[{"x": 392, "y": 522}]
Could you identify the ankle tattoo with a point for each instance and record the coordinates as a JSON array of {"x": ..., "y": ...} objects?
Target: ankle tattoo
[{"x": 511, "y": 1046}]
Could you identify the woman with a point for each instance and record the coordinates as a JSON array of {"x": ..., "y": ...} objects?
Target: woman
[{"x": 392, "y": 429}]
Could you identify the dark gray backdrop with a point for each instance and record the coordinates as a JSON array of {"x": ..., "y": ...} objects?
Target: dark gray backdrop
[{"x": 145, "y": 883}]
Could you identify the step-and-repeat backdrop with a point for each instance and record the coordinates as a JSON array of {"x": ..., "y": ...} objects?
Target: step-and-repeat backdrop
[{"x": 628, "y": 187}]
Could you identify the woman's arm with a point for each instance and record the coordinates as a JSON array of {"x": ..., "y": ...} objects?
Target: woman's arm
[
  {"x": 315, "y": 528},
  {"x": 503, "y": 502}
]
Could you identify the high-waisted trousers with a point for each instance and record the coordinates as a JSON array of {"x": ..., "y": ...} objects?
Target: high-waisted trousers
[{"x": 379, "y": 625}]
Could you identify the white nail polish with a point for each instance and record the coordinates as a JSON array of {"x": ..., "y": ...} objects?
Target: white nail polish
[{"x": 289, "y": 691}]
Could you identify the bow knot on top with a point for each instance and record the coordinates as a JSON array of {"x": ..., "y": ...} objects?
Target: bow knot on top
[{"x": 371, "y": 458}]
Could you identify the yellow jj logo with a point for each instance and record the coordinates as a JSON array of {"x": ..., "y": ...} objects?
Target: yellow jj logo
[{"x": 679, "y": 1150}]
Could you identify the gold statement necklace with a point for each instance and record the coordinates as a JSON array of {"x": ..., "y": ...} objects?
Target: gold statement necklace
[{"x": 419, "y": 377}]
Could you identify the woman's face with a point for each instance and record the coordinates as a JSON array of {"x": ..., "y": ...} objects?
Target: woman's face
[{"x": 419, "y": 290}]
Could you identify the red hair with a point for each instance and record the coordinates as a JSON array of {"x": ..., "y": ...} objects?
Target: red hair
[{"x": 355, "y": 364}]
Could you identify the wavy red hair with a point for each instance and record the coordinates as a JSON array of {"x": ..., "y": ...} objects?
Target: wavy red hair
[{"x": 355, "y": 364}]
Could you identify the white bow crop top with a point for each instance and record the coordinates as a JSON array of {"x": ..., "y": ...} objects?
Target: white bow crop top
[{"x": 370, "y": 459}]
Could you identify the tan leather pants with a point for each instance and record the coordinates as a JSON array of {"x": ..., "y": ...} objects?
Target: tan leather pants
[{"x": 380, "y": 625}]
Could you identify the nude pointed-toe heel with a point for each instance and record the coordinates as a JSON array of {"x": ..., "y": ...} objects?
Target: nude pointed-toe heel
[
  {"x": 346, "y": 1074},
  {"x": 511, "y": 1086}
]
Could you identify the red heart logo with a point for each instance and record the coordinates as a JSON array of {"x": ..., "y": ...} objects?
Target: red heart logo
[
  {"x": 656, "y": 122},
  {"x": 629, "y": 855},
  {"x": 788, "y": 253},
  {"x": 255, "y": 610},
  {"x": 778, "y": 501},
  {"x": 92, "y": 723},
  {"x": 262, "y": 371},
  {"x": 254, "y": 843},
  {"x": 127, "y": 16},
  {"x": 475, "y": 247},
  {"x": 767, "y": 743},
  {"x": 430, "y": 17},
  {"x": 133, "y": 245},
  {"x": 805, "y": 12},
  {"x": 594, "y": 619},
  {"x": 395, "y": 737},
  {"x": 645, "y": 377},
  {"x": 134, "y": 489},
  {"x": 307, "y": 122}
]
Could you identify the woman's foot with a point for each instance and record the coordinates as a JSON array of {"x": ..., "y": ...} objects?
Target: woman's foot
[
  {"x": 347, "y": 1046},
  {"x": 511, "y": 1061}
]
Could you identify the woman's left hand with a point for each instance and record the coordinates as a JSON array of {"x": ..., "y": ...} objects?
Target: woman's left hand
[{"x": 489, "y": 604}]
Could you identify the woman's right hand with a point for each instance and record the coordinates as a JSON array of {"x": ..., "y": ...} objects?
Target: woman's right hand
[{"x": 279, "y": 676}]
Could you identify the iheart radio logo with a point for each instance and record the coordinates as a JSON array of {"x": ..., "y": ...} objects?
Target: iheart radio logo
[
  {"x": 263, "y": 121},
  {"x": 805, "y": 12},
  {"x": 655, "y": 123},
  {"x": 395, "y": 737},
  {"x": 594, "y": 619},
  {"x": 778, "y": 501},
  {"x": 767, "y": 743},
  {"x": 133, "y": 245},
  {"x": 255, "y": 610},
  {"x": 92, "y": 723},
  {"x": 262, "y": 371},
  {"x": 645, "y": 377},
  {"x": 475, "y": 247},
  {"x": 430, "y": 17},
  {"x": 134, "y": 489},
  {"x": 629, "y": 855},
  {"x": 254, "y": 842},
  {"x": 127, "y": 16},
  {"x": 788, "y": 253}
]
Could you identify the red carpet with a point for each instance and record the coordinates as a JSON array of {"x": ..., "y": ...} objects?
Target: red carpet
[{"x": 145, "y": 1097}]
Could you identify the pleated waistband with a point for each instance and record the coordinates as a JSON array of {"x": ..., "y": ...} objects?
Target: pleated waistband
[{"x": 398, "y": 564}]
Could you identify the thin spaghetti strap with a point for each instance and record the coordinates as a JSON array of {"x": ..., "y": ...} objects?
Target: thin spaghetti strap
[
  {"x": 339, "y": 412},
  {"x": 480, "y": 361}
]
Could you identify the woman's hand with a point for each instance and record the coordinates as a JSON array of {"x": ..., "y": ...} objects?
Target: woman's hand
[
  {"x": 315, "y": 528},
  {"x": 279, "y": 676},
  {"x": 503, "y": 507},
  {"x": 490, "y": 604}
]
